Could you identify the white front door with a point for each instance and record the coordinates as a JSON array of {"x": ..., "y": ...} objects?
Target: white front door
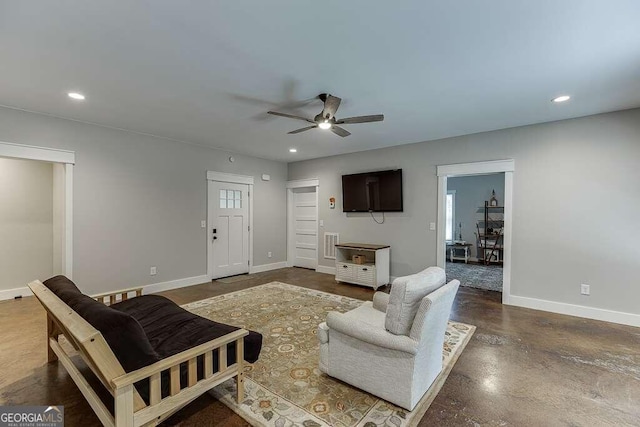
[
  {"x": 304, "y": 227},
  {"x": 228, "y": 228}
]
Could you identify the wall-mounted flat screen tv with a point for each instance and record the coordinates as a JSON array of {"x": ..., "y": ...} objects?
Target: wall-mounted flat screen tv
[{"x": 372, "y": 192}]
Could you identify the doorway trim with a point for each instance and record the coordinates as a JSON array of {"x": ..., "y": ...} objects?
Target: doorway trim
[
  {"x": 290, "y": 186},
  {"x": 234, "y": 179},
  {"x": 67, "y": 159},
  {"x": 479, "y": 168}
]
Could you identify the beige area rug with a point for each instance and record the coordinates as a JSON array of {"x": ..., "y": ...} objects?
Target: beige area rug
[{"x": 285, "y": 387}]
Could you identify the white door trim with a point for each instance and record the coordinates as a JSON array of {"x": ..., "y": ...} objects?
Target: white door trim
[
  {"x": 229, "y": 177},
  {"x": 291, "y": 185},
  {"x": 67, "y": 159},
  {"x": 30, "y": 152},
  {"x": 479, "y": 168},
  {"x": 303, "y": 183},
  {"x": 235, "y": 179}
]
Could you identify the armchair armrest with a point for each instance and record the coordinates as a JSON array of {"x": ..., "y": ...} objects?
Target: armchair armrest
[
  {"x": 380, "y": 301},
  {"x": 323, "y": 333},
  {"x": 370, "y": 334}
]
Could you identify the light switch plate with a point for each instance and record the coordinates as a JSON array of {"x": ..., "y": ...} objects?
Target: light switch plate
[
  {"x": 203, "y": 224},
  {"x": 321, "y": 223},
  {"x": 432, "y": 226},
  {"x": 585, "y": 290},
  {"x": 153, "y": 271}
]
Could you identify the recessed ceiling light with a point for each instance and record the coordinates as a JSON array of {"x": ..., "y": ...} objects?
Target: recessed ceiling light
[
  {"x": 293, "y": 150},
  {"x": 324, "y": 125},
  {"x": 562, "y": 98},
  {"x": 76, "y": 96}
]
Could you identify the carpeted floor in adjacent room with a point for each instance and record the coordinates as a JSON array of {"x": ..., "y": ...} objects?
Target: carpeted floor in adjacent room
[{"x": 488, "y": 277}]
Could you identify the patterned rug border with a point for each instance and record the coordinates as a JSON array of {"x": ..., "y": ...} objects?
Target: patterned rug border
[
  {"x": 415, "y": 415},
  {"x": 274, "y": 284}
]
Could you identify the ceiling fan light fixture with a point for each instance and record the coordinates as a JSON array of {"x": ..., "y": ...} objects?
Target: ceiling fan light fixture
[{"x": 324, "y": 125}]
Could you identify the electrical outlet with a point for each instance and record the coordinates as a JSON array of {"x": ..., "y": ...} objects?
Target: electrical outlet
[
  {"x": 153, "y": 271},
  {"x": 203, "y": 224},
  {"x": 269, "y": 254},
  {"x": 432, "y": 226},
  {"x": 321, "y": 223},
  {"x": 584, "y": 289}
]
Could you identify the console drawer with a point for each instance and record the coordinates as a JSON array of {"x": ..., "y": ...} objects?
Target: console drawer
[
  {"x": 345, "y": 271},
  {"x": 366, "y": 273}
]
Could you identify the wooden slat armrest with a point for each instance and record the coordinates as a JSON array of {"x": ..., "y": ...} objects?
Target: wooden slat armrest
[
  {"x": 118, "y": 292},
  {"x": 177, "y": 359},
  {"x": 112, "y": 297}
]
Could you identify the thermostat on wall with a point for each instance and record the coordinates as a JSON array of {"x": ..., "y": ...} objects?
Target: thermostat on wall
[{"x": 266, "y": 177}]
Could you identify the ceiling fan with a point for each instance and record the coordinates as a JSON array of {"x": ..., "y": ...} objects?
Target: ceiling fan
[{"x": 327, "y": 117}]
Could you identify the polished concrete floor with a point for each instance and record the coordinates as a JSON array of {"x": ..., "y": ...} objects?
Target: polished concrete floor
[{"x": 521, "y": 368}]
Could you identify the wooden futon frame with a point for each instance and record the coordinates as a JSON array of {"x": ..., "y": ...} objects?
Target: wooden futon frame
[{"x": 129, "y": 407}]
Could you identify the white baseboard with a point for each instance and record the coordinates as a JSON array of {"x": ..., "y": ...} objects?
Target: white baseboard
[
  {"x": 175, "y": 284},
  {"x": 267, "y": 267},
  {"x": 16, "y": 292},
  {"x": 576, "y": 310},
  {"x": 326, "y": 270}
]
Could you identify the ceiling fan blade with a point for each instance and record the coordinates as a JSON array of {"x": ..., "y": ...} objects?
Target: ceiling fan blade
[
  {"x": 302, "y": 129},
  {"x": 340, "y": 131},
  {"x": 290, "y": 116},
  {"x": 361, "y": 119},
  {"x": 331, "y": 105}
]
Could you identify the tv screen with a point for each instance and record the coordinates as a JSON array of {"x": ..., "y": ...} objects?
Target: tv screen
[{"x": 372, "y": 192}]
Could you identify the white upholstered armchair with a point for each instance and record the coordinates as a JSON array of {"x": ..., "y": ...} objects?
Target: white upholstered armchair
[{"x": 391, "y": 347}]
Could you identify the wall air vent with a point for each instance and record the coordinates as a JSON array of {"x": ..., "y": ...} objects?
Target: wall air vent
[{"x": 330, "y": 242}]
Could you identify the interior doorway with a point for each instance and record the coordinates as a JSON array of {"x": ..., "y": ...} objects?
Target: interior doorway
[
  {"x": 475, "y": 230},
  {"x": 37, "y": 215},
  {"x": 229, "y": 219},
  {"x": 475, "y": 223},
  {"x": 302, "y": 223}
]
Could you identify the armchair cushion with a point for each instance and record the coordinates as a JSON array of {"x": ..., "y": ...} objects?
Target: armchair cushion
[
  {"x": 380, "y": 301},
  {"x": 406, "y": 295},
  {"x": 365, "y": 331}
]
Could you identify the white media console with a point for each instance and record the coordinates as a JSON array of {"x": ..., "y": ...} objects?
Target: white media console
[{"x": 374, "y": 272}]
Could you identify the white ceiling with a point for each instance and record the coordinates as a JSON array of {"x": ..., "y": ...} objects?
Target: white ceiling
[{"x": 206, "y": 72}]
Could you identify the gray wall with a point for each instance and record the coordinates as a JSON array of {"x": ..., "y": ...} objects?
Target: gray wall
[
  {"x": 26, "y": 222},
  {"x": 471, "y": 193},
  {"x": 139, "y": 200},
  {"x": 576, "y": 203}
]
